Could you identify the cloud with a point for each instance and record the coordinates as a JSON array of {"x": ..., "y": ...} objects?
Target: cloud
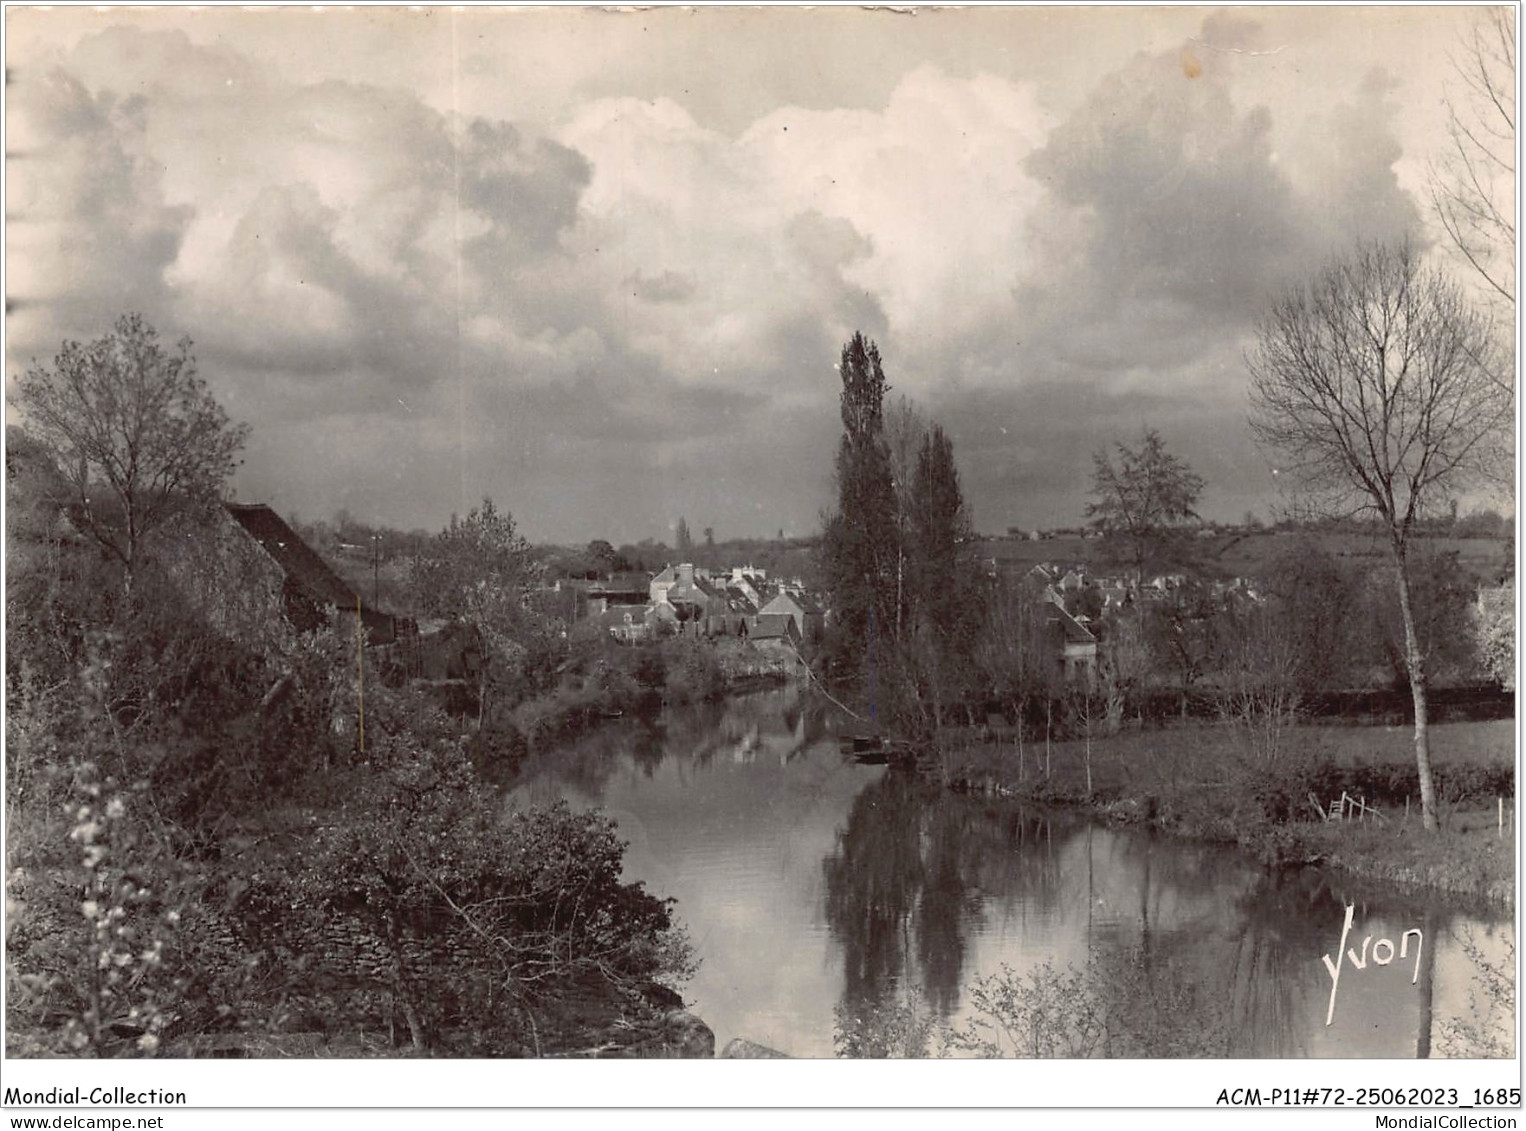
[
  {"x": 305, "y": 235},
  {"x": 633, "y": 312},
  {"x": 670, "y": 286},
  {"x": 1180, "y": 216},
  {"x": 89, "y": 226},
  {"x": 1170, "y": 218}
]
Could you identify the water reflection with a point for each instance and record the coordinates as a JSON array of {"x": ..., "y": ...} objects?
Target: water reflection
[{"x": 818, "y": 890}]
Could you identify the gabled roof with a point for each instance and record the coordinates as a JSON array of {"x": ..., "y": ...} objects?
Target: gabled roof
[
  {"x": 799, "y": 602},
  {"x": 310, "y": 573},
  {"x": 297, "y": 559},
  {"x": 1075, "y": 631},
  {"x": 693, "y": 593}
]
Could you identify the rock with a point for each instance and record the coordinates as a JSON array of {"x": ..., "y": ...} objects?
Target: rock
[
  {"x": 678, "y": 1035},
  {"x": 740, "y": 1048},
  {"x": 687, "y": 1037}
]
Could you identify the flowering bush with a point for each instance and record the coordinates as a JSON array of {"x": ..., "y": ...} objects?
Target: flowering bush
[{"x": 88, "y": 941}]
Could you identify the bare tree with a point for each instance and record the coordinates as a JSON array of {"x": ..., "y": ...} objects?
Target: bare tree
[
  {"x": 1373, "y": 382},
  {"x": 1258, "y": 693},
  {"x": 134, "y": 431},
  {"x": 1472, "y": 186}
]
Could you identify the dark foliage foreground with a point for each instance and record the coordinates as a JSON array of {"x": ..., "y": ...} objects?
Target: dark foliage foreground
[{"x": 204, "y": 854}]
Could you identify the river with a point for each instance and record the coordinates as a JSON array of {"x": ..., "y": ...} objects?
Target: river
[{"x": 829, "y": 902}]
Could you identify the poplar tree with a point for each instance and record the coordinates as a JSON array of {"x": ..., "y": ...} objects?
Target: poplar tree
[
  {"x": 939, "y": 531},
  {"x": 859, "y": 544},
  {"x": 942, "y": 610}
]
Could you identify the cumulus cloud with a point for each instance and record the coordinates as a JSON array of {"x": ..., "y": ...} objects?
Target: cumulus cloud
[
  {"x": 1170, "y": 217},
  {"x": 306, "y": 235},
  {"x": 89, "y": 226},
  {"x": 632, "y": 314}
]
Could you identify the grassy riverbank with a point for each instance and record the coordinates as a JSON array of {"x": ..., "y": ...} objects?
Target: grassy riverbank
[{"x": 1203, "y": 782}]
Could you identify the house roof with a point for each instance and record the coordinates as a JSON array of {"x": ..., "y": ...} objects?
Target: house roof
[
  {"x": 1075, "y": 632},
  {"x": 773, "y": 626},
  {"x": 622, "y": 584},
  {"x": 738, "y": 601},
  {"x": 297, "y": 559},
  {"x": 693, "y": 593},
  {"x": 311, "y": 574},
  {"x": 796, "y": 602},
  {"x": 781, "y": 603},
  {"x": 622, "y": 615}
]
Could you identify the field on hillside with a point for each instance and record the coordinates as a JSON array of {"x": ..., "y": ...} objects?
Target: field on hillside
[{"x": 1240, "y": 555}]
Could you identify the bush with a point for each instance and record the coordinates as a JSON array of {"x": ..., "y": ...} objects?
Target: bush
[
  {"x": 694, "y": 673},
  {"x": 419, "y": 899},
  {"x": 96, "y": 959},
  {"x": 1117, "y": 1005}
]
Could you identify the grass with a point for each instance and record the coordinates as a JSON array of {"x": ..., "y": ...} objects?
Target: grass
[
  {"x": 1205, "y": 782},
  {"x": 1468, "y": 856}
]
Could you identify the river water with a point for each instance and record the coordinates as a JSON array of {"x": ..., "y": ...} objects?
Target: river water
[{"x": 827, "y": 901}]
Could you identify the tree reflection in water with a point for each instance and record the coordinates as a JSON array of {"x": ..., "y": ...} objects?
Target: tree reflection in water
[
  {"x": 1154, "y": 947},
  {"x": 873, "y": 882},
  {"x": 1167, "y": 966}
]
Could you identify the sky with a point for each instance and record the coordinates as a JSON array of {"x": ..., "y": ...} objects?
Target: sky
[{"x": 599, "y": 265}]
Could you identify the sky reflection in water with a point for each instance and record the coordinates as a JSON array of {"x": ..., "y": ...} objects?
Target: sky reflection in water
[{"x": 809, "y": 883}]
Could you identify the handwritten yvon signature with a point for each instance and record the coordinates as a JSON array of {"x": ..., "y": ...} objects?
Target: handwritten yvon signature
[{"x": 1382, "y": 953}]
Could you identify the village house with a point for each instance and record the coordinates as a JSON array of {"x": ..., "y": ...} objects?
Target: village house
[
  {"x": 1075, "y": 646},
  {"x": 688, "y": 592},
  {"x": 310, "y": 590},
  {"x": 775, "y": 634},
  {"x": 808, "y": 618},
  {"x": 749, "y": 582},
  {"x": 629, "y": 624},
  {"x": 622, "y": 590},
  {"x": 657, "y": 588},
  {"x": 741, "y": 611}
]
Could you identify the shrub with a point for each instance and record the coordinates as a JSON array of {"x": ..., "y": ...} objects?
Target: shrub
[
  {"x": 1116, "y": 1005},
  {"x": 417, "y": 900},
  {"x": 94, "y": 953}
]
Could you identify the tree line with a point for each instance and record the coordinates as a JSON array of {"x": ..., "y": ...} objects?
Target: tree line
[{"x": 1376, "y": 386}]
